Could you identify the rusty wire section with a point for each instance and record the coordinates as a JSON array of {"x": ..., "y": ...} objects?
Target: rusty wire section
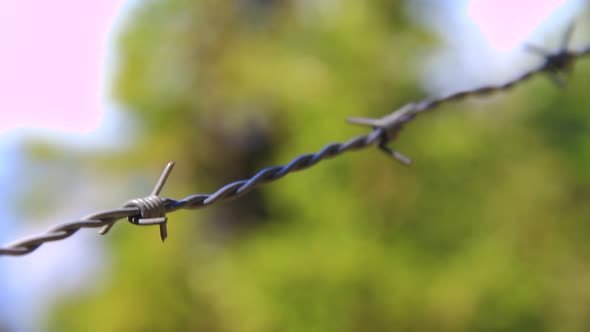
[{"x": 151, "y": 210}]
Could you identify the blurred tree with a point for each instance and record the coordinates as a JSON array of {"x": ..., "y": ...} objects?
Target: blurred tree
[{"x": 485, "y": 233}]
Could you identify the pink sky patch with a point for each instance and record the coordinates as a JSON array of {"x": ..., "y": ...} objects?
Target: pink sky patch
[
  {"x": 52, "y": 63},
  {"x": 506, "y": 23}
]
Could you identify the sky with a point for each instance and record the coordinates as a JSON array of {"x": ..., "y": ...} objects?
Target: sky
[
  {"x": 55, "y": 51},
  {"x": 55, "y": 60},
  {"x": 516, "y": 27}
]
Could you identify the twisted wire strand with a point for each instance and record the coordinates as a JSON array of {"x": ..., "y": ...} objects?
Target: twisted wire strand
[
  {"x": 271, "y": 174},
  {"x": 379, "y": 136},
  {"x": 60, "y": 232},
  {"x": 430, "y": 104}
]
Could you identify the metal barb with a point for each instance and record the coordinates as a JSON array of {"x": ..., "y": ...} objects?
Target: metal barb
[
  {"x": 405, "y": 160},
  {"x": 151, "y": 209},
  {"x": 163, "y": 177},
  {"x": 385, "y": 130},
  {"x": 567, "y": 36},
  {"x": 388, "y": 127},
  {"x": 558, "y": 63}
]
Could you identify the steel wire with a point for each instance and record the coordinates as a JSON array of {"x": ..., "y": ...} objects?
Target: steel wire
[{"x": 152, "y": 209}]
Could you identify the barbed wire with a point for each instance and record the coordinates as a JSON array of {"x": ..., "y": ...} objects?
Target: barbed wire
[{"x": 152, "y": 210}]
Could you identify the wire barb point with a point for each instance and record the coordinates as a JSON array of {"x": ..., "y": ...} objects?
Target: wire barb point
[
  {"x": 152, "y": 209},
  {"x": 557, "y": 64},
  {"x": 405, "y": 160},
  {"x": 387, "y": 128}
]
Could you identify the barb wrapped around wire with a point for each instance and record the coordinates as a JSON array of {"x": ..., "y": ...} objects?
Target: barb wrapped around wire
[
  {"x": 557, "y": 64},
  {"x": 152, "y": 209}
]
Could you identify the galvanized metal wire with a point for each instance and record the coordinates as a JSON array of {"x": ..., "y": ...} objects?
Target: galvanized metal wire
[{"x": 152, "y": 209}]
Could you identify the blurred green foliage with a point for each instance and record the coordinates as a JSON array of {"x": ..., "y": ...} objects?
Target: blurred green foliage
[{"x": 486, "y": 232}]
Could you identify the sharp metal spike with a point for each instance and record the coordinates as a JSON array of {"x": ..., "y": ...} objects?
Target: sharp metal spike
[
  {"x": 567, "y": 36},
  {"x": 396, "y": 154},
  {"x": 537, "y": 50}
]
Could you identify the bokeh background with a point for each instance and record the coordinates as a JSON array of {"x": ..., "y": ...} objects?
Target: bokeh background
[{"x": 487, "y": 231}]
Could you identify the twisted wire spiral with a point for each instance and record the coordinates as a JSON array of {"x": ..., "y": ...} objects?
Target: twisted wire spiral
[{"x": 154, "y": 207}]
